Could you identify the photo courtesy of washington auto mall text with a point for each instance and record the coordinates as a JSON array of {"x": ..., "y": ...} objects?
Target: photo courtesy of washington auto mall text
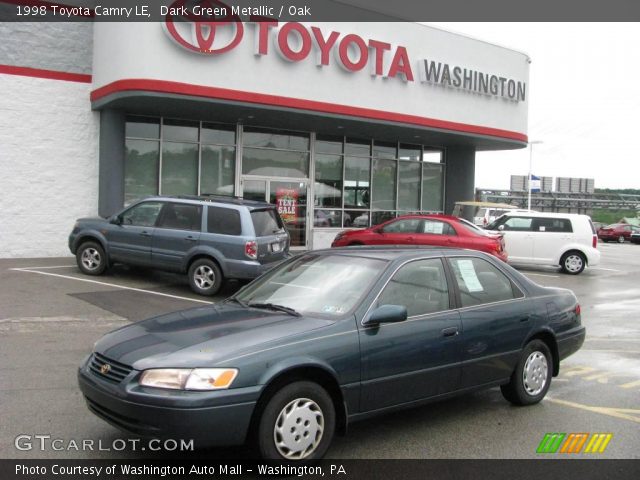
[{"x": 339, "y": 239}]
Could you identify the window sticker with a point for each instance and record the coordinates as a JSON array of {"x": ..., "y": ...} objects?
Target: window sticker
[
  {"x": 468, "y": 274},
  {"x": 433, "y": 227}
]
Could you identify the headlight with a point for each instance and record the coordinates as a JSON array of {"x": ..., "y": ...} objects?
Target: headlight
[{"x": 187, "y": 379}]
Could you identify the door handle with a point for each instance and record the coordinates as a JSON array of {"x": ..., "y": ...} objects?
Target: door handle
[
  {"x": 145, "y": 234},
  {"x": 191, "y": 239},
  {"x": 450, "y": 332}
]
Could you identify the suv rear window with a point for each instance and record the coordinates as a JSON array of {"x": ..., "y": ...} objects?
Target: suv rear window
[
  {"x": 224, "y": 221},
  {"x": 266, "y": 222}
]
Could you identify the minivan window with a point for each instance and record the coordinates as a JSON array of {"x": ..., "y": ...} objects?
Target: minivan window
[
  {"x": 562, "y": 225},
  {"x": 181, "y": 216},
  {"x": 480, "y": 282},
  {"x": 266, "y": 222},
  {"x": 224, "y": 221},
  {"x": 516, "y": 224}
]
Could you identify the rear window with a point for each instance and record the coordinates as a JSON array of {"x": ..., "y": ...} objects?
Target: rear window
[
  {"x": 224, "y": 221},
  {"x": 593, "y": 228},
  {"x": 266, "y": 222}
]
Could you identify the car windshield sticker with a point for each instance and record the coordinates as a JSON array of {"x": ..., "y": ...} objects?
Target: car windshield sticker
[
  {"x": 433, "y": 227},
  {"x": 469, "y": 276}
]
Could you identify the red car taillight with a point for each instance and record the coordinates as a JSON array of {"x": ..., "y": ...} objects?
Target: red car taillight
[
  {"x": 251, "y": 249},
  {"x": 595, "y": 241},
  {"x": 578, "y": 309}
]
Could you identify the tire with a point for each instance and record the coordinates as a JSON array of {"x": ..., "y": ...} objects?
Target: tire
[
  {"x": 297, "y": 423},
  {"x": 573, "y": 263},
  {"x": 531, "y": 379},
  {"x": 205, "y": 277},
  {"x": 621, "y": 239},
  {"x": 91, "y": 258}
]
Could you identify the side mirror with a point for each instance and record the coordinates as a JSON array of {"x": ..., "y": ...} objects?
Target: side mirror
[
  {"x": 386, "y": 314},
  {"x": 501, "y": 227},
  {"x": 116, "y": 220},
  {"x": 378, "y": 230}
]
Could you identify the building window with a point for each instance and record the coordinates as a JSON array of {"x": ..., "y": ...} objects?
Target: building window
[{"x": 275, "y": 153}]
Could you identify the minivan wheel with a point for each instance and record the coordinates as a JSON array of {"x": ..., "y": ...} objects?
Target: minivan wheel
[
  {"x": 573, "y": 263},
  {"x": 531, "y": 379},
  {"x": 205, "y": 277},
  {"x": 297, "y": 423},
  {"x": 621, "y": 239},
  {"x": 91, "y": 258}
]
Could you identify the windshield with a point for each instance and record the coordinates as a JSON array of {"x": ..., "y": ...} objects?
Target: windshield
[{"x": 328, "y": 285}]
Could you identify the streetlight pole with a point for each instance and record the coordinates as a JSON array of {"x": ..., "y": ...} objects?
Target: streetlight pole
[{"x": 531, "y": 144}]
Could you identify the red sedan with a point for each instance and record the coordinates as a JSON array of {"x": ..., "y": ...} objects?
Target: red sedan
[
  {"x": 618, "y": 232},
  {"x": 437, "y": 230}
]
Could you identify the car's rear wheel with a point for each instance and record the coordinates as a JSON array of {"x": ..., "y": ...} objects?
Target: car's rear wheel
[
  {"x": 297, "y": 423},
  {"x": 91, "y": 258},
  {"x": 573, "y": 263},
  {"x": 205, "y": 277},
  {"x": 621, "y": 239},
  {"x": 531, "y": 379}
]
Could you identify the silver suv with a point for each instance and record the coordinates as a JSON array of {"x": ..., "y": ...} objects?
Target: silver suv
[{"x": 209, "y": 238}]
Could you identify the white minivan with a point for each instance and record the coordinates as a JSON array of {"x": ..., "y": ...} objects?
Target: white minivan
[{"x": 567, "y": 240}]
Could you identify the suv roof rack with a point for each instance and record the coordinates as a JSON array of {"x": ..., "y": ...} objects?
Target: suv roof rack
[{"x": 206, "y": 197}]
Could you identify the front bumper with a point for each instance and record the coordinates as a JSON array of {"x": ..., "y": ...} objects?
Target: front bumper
[{"x": 216, "y": 418}]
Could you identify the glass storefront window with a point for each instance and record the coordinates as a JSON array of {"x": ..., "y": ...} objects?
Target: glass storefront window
[
  {"x": 384, "y": 150},
  {"x": 275, "y": 163},
  {"x": 432, "y": 156},
  {"x": 142, "y": 127},
  {"x": 179, "y": 130},
  {"x": 357, "y": 147},
  {"x": 328, "y": 186},
  {"x": 409, "y": 186},
  {"x": 218, "y": 168},
  {"x": 327, "y": 218},
  {"x": 356, "y": 182},
  {"x": 141, "y": 169},
  {"x": 219, "y": 134},
  {"x": 409, "y": 152},
  {"x": 265, "y": 138},
  {"x": 380, "y": 217},
  {"x": 179, "y": 168},
  {"x": 384, "y": 184},
  {"x": 432, "y": 187},
  {"x": 356, "y": 218},
  {"x": 328, "y": 144}
]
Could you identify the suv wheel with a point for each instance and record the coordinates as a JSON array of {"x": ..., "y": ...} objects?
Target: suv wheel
[
  {"x": 621, "y": 239},
  {"x": 531, "y": 379},
  {"x": 297, "y": 423},
  {"x": 205, "y": 277},
  {"x": 573, "y": 263},
  {"x": 91, "y": 258}
]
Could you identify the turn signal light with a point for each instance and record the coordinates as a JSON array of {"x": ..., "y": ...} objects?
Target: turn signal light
[{"x": 251, "y": 249}]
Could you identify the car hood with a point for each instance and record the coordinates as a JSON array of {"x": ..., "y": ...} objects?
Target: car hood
[
  {"x": 92, "y": 220},
  {"x": 201, "y": 336}
]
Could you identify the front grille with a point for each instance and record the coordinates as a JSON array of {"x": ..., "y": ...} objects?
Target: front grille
[{"x": 115, "y": 372}]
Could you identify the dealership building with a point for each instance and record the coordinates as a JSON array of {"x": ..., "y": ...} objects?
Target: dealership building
[{"x": 340, "y": 124}]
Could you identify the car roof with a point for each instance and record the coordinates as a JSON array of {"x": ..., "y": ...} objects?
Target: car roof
[
  {"x": 251, "y": 204},
  {"x": 545, "y": 214},
  {"x": 394, "y": 252},
  {"x": 428, "y": 215}
]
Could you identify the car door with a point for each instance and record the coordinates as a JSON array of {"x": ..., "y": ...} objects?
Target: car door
[
  {"x": 436, "y": 232},
  {"x": 550, "y": 235},
  {"x": 130, "y": 240},
  {"x": 518, "y": 237},
  {"x": 420, "y": 357},
  {"x": 398, "y": 232},
  {"x": 177, "y": 231},
  {"x": 496, "y": 319}
]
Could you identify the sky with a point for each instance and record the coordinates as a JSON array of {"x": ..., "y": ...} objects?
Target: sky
[{"x": 584, "y": 101}]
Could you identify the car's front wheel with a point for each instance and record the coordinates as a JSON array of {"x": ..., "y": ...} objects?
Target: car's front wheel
[
  {"x": 205, "y": 277},
  {"x": 91, "y": 258},
  {"x": 297, "y": 423},
  {"x": 531, "y": 379},
  {"x": 621, "y": 239},
  {"x": 573, "y": 263}
]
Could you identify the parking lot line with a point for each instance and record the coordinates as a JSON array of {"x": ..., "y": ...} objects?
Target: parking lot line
[
  {"x": 142, "y": 290},
  {"x": 541, "y": 274},
  {"x": 605, "y": 269},
  {"x": 622, "y": 413}
]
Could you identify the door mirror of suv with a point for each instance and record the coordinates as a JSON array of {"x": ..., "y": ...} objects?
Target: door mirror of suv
[
  {"x": 501, "y": 227},
  {"x": 386, "y": 314},
  {"x": 116, "y": 220}
]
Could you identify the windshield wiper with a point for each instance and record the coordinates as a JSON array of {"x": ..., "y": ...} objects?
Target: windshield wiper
[
  {"x": 235, "y": 300},
  {"x": 273, "y": 306}
]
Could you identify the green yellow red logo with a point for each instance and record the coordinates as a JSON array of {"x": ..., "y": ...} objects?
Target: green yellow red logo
[{"x": 574, "y": 443}]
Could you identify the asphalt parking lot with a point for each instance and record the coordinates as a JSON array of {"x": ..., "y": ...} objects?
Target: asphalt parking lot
[{"x": 50, "y": 316}]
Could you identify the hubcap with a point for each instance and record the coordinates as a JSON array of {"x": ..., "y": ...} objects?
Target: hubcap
[
  {"x": 298, "y": 429},
  {"x": 91, "y": 258},
  {"x": 204, "y": 277},
  {"x": 573, "y": 263},
  {"x": 534, "y": 375},
  {"x": 621, "y": 239}
]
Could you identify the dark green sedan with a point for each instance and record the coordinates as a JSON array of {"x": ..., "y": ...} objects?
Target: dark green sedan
[{"x": 332, "y": 337}]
